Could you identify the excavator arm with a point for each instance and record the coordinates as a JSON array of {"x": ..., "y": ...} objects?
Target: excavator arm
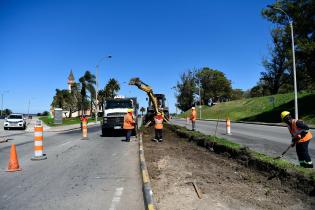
[{"x": 146, "y": 88}]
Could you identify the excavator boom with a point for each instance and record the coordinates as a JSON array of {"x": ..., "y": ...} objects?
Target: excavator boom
[{"x": 146, "y": 88}]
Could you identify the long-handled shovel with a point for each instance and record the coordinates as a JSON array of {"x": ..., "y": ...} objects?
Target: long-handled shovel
[{"x": 285, "y": 151}]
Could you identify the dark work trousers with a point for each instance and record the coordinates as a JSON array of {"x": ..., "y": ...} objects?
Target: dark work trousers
[
  {"x": 158, "y": 134},
  {"x": 193, "y": 124},
  {"x": 128, "y": 134},
  {"x": 303, "y": 156}
]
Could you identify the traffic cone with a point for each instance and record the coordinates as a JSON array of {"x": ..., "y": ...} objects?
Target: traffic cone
[
  {"x": 228, "y": 126},
  {"x": 84, "y": 130},
  {"x": 13, "y": 164}
]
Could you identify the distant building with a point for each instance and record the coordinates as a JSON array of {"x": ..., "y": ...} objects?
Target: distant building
[{"x": 70, "y": 82}]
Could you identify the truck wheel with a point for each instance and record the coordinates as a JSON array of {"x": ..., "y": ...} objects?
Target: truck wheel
[{"x": 104, "y": 132}]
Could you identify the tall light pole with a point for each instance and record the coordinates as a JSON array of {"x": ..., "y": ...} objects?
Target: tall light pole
[
  {"x": 293, "y": 58},
  {"x": 2, "y": 93},
  {"x": 96, "y": 92},
  {"x": 28, "y": 108},
  {"x": 199, "y": 99}
]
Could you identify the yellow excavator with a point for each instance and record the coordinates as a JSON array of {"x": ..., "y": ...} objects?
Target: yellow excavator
[{"x": 156, "y": 101}]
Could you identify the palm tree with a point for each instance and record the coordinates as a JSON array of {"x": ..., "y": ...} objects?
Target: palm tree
[
  {"x": 142, "y": 109},
  {"x": 87, "y": 84},
  {"x": 112, "y": 88},
  {"x": 101, "y": 95},
  {"x": 58, "y": 100}
]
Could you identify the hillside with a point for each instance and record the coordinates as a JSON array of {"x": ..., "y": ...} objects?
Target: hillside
[{"x": 261, "y": 109}]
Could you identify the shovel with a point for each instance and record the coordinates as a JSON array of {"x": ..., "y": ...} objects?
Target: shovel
[{"x": 285, "y": 151}]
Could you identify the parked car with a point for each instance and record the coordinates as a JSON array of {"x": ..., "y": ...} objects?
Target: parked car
[{"x": 15, "y": 121}]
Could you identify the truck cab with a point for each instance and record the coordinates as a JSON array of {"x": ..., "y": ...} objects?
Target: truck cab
[{"x": 114, "y": 111}]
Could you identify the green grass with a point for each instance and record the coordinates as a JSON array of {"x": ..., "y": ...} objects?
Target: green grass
[
  {"x": 65, "y": 121},
  {"x": 260, "y": 109}
]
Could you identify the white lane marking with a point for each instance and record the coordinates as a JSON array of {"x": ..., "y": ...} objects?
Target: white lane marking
[
  {"x": 116, "y": 198},
  {"x": 65, "y": 143}
]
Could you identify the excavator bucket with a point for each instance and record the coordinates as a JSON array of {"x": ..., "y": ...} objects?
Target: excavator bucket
[{"x": 134, "y": 81}]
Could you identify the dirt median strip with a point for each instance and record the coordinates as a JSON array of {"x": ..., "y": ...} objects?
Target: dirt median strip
[
  {"x": 147, "y": 191},
  {"x": 288, "y": 173},
  {"x": 223, "y": 181}
]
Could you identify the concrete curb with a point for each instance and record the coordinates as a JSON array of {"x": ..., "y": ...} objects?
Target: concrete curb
[
  {"x": 147, "y": 191},
  {"x": 247, "y": 122}
]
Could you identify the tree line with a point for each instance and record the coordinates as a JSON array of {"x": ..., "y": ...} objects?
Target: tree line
[
  {"x": 212, "y": 84},
  {"x": 82, "y": 96},
  {"x": 278, "y": 74}
]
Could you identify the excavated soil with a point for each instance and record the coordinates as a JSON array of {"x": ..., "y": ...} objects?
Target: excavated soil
[{"x": 223, "y": 183}]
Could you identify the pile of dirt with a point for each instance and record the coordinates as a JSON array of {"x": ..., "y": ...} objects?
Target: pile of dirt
[{"x": 224, "y": 183}]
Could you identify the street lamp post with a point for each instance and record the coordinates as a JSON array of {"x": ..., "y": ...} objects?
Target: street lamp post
[
  {"x": 2, "y": 93},
  {"x": 293, "y": 58},
  {"x": 28, "y": 108},
  {"x": 96, "y": 92},
  {"x": 199, "y": 100}
]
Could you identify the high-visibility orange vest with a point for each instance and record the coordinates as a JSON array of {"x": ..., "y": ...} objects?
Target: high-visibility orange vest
[
  {"x": 84, "y": 119},
  {"x": 128, "y": 121},
  {"x": 296, "y": 132},
  {"x": 158, "y": 122},
  {"x": 193, "y": 115}
]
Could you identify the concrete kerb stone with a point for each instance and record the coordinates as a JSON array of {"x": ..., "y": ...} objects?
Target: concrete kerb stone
[
  {"x": 66, "y": 128},
  {"x": 247, "y": 122},
  {"x": 147, "y": 190}
]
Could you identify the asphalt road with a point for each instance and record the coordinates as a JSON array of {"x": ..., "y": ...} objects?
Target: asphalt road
[
  {"x": 99, "y": 173},
  {"x": 270, "y": 140}
]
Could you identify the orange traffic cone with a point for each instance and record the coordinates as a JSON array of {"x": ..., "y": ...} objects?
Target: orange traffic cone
[{"x": 13, "y": 162}]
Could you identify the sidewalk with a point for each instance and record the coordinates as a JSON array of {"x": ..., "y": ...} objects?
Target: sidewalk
[{"x": 62, "y": 128}]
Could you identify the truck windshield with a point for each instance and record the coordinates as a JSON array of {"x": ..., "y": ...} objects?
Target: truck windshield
[
  {"x": 118, "y": 104},
  {"x": 15, "y": 117}
]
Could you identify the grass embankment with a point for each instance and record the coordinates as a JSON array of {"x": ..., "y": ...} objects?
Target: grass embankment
[
  {"x": 261, "y": 109},
  {"x": 289, "y": 173},
  {"x": 65, "y": 121}
]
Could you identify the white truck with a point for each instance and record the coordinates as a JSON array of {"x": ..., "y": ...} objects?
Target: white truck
[{"x": 114, "y": 111}]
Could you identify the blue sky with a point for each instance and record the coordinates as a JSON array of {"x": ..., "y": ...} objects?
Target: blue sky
[{"x": 40, "y": 41}]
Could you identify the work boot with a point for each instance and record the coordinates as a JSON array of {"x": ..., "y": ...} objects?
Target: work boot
[{"x": 306, "y": 165}]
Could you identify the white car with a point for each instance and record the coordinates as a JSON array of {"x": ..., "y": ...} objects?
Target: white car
[{"x": 15, "y": 121}]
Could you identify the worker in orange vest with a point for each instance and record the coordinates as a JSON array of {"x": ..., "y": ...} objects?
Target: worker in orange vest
[
  {"x": 158, "y": 126},
  {"x": 129, "y": 124},
  {"x": 193, "y": 117},
  {"x": 301, "y": 137},
  {"x": 83, "y": 118}
]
